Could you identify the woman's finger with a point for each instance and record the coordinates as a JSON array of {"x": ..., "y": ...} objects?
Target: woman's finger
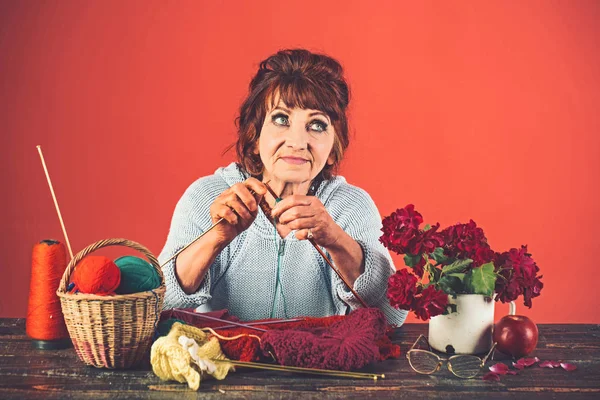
[
  {"x": 223, "y": 211},
  {"x": 235, "y": 204},
  {"x": 257, "y": 187},
  {"x": 296, "y": 212},
  {"x": 239, "y": 192},
  {"x": 304, "y": 223},
  {"x": 289, "y": 202},
  {"x": 302, "y": 234}
]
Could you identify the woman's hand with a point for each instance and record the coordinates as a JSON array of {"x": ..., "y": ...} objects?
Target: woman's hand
[
  {"x": 239, "y": 207},
  {"x": 307, "y": 214}
]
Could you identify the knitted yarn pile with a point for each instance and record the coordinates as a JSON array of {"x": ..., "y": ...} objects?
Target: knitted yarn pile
[
  {"x": 184, "y": 356},
  {"x": 361, "y": 336},
  {"x": 345, "y": 345}
]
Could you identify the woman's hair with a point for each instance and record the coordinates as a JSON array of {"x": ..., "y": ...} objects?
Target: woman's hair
[{"x": 300, "y": 79}]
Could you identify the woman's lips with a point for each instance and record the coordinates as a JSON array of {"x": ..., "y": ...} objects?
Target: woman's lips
[{"x": 294, "y": 160}]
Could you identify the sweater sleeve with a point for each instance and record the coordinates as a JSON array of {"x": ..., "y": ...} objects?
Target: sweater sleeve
[
  {"x": 362, "y": 221},
  {"x": 190, "y": 219}
]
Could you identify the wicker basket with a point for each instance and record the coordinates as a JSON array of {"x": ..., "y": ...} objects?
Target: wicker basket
[{"x": 111, "y": 331}]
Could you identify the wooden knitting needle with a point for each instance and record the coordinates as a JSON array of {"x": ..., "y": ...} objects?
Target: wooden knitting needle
[
  {"x": 335, "y": 269},
  {"x": 62, "y": 224}
]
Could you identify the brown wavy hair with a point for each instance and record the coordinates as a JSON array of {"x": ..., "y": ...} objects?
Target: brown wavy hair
[{"x": 300, "y": 79}]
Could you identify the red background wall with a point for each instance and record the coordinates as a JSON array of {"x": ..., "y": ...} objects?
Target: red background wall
[{"x": 483, "y": 110}]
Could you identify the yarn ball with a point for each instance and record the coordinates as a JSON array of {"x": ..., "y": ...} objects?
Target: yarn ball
[
  {"x": 164, "y": 327},
  {"x": 137, "y": 275},
  {"x": 96, "y": 275}
]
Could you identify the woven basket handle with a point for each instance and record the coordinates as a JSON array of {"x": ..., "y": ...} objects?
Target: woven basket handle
[{"x": 62, "y": 288}]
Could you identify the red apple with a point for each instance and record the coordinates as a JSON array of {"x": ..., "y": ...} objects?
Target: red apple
[{"x": 516, "y": 335}]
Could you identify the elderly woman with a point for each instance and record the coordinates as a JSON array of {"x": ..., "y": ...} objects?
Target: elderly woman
[{"x": 293, "y": 132}]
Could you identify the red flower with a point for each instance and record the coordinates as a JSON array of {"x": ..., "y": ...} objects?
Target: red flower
[
  {"x": 507, "y": 287},
  {"x": 516, "y": 272},
  {"x": 482, "y": 255},
  {"x": 426, "y": 241},
  {"x": 430, "y": 303},
  {"x": 402, "y": 235},
  {"x": 401, "y": 230},
  {"x": 419, "y": 269},
  {"x": 409, "y": 217},
  {"x": 402, "y": 287},
  {"x": 518, "y": 276},
  {"x": 467, "y": 241}
]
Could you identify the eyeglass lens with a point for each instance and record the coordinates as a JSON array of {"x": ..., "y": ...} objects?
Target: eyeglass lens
[
  {"x": 423, "y": 361},
  {"x": 465, "y": 366}
]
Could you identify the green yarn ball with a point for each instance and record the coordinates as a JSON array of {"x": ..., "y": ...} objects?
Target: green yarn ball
[
  {"x": 137, "y": 275},
  {"x": 164, "y": 327}
]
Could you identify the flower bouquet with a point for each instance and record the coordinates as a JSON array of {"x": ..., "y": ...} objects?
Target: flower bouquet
[{"x": 456, "y": 260}]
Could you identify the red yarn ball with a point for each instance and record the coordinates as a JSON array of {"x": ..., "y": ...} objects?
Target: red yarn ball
[{"x": 96, "y": 275}]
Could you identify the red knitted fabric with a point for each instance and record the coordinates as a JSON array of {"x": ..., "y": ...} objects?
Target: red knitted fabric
[
  {"x": 345, "y": 345},
  {"x": 336, "y": 342}
]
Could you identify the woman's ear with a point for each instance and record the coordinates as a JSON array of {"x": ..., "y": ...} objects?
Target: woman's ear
[
  {"x": 255, "y": 148},
  {"x": 331, "y": 158}
]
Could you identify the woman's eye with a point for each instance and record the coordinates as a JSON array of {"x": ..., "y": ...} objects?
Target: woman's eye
[
  {"x": 318, "y": 126},
  {"x": 281, "y": 119}
]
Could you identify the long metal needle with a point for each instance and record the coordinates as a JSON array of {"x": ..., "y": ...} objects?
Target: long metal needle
[
  {"x": 316, "y": 371},
  {"x": 199, "y": 237},
  {"x": 199, "y": 315},
  {"x": 335, "y": 269},
  {"x": 192, "y": 242}
]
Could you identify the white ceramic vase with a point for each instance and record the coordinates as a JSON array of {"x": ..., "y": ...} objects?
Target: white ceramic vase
[{"x": 469, "y": 330}]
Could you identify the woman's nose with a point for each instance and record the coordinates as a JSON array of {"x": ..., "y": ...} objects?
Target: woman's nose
[{"x": 297, "y": 137}]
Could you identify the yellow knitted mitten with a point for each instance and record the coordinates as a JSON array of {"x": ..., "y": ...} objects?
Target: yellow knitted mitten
[{"x": 184, "y": 355}]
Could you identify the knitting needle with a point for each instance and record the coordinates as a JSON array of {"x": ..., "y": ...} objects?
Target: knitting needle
[
  {"x": 283, "y": 321},
  {"x": 219, "y": 320},
  {"x": 317, "y": 371},
  {"x": 199, "y": 237},
  {"x": 62, "y": 224},
  {"x": 335, "y": 269},
  {"x": 193, "y": 241}
]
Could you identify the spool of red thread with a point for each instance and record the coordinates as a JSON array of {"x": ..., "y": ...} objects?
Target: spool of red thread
[{"x": 45, "y": 323}]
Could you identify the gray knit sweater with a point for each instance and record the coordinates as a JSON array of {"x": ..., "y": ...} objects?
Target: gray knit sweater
[{"x": 243, "y": 277}]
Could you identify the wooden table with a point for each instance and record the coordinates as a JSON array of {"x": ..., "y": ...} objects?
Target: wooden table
[{"x": 26, "y": 373}]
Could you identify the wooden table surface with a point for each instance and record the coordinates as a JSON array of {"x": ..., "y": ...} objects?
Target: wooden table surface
[{"x": 26, "y": 373}]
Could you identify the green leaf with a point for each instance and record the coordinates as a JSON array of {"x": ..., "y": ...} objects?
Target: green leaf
[
  {"x": 456, "y": 266},
  {"x": 426, "y": 228},
  {"x": 481, "y": 280},
  {"x": 450, "y": 284},
  {"x": 459, "y": 275},
  {"x": 438, "y": 255},
  {"x": 411, "y": 260},
  {"x": 436, "y": 274}
]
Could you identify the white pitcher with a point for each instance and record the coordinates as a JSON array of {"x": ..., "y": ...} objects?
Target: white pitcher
[{"x": 469, "y": 330}]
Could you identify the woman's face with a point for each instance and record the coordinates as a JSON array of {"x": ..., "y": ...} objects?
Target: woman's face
[{"x": 295, "y": 144}]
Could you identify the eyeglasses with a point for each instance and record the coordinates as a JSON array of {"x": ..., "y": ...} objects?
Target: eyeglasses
[{"x": 461, "y": 365}]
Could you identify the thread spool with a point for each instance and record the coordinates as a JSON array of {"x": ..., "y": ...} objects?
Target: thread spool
[{"x": 45, "y": 323}]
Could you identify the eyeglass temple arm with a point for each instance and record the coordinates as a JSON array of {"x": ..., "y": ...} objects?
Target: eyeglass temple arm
[
  {"x": 421, "y": 336},
  {"x": 488, "y": 354}
]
